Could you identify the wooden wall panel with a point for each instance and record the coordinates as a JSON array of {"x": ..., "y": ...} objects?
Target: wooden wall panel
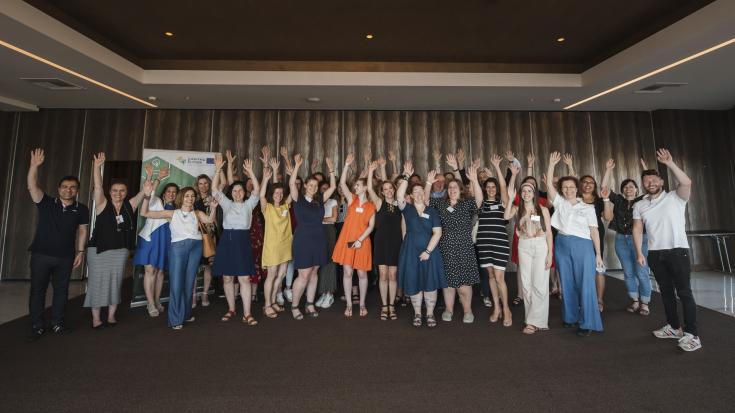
[
  {"x": 245, "y": 132},
  {"x": 313, "y": 134},
  {"x": 498, "y": 132},
  {"x": 566, "y": 132},
  {"x": 60, "y": 133},
  {"x": 186, "y": 130}
]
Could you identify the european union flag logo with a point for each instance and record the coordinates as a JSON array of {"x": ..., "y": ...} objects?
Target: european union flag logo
[{"x": 210, "y": 161}]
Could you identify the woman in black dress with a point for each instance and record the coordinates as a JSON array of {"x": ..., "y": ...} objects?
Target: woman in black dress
[{"x": 389, "y": 230}]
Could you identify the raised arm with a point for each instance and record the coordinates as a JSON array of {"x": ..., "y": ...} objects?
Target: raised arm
[
  {"x": 514, "y": 171},
  {"x": 607, "y": 177},
  {"x": 608, "y": 211},
  {"x": 452, "y": 162},
  {"x": 343, "y": 178},
  {"x": 477, "y": 191},
  {"x": 403, "y": 184},
  {"x": 219, "y": 162},
  {"x": 684, "y": 188},
  {"x": 286, "y": 158},
  {"x": 212, "y": 217},
  {"x": 430, "y": 179},
  {"x": 264, "y": 188},
  {"x": 437, "y": 155},
  {"x": 293, "y": 190},
  {"x": 37, "y": 158},
  {"x": 394, "y": 164},
  {"x": 230, "y": 168},
  {"x": 145, "y": 212},
  {"x": 554, "y": 159},
  {"x": 381, "y": 169},
  {"x": 332, "y": 181},
  {"x": 531, "y": 159},
  {"x": 98, "y": 193},
  {"x": 247, "y": 166},
  {"x": 274, "y": 164},
  {"x": 569, "y": 162},
  {"x": 510, "y": 209},
  {"x": 371, "y": 192},
  {"x": 495, "y": 160},
  {"x": 135, "y": 201},
  {"x": 314, "y": 166}
]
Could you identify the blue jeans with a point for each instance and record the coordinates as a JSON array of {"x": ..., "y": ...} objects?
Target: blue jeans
[
  {"x": 183, "y": 263},
  {"x": 637, "y": 279}
]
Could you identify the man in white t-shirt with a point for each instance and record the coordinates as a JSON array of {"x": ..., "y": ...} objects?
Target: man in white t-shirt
[{"x": 663, "y": 214}]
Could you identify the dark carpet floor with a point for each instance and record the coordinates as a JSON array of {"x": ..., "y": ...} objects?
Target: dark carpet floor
[{"x": 364, "y": 364}]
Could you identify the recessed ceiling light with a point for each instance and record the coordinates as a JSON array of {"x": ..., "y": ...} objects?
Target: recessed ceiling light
[
  {"x": 73, "y": 73},
  {"x": 557, "y": 100},
  {"x": 168, "y": 34},
  {"x": 653, "y": 73},
  {"x": 561, "y": 40},
  {"x": 369, "y": 36},
  {"x": 313, "y": 99}
]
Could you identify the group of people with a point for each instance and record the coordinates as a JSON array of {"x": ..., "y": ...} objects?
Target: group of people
[{"x": 444, "y": 232}]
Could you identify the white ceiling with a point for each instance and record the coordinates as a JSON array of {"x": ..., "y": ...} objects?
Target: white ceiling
[{"x": 709, "y": 79}]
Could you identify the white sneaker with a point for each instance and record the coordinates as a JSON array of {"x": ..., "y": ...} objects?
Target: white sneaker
[
  {"x": 447, "y": 316},
  {"x": 288, "y": 294},
  {"x": 668, "y": 332},
  {"x": 328, "y": 301},
  {"x": 320, "y": 301},
  {"x": 468, "y": 318},
  {"x": 279, "y": 299},
  {"x": 690, "y": 342},
  {"x": 487, "y": 301}
]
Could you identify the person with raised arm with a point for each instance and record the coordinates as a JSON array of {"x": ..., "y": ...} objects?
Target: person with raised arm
[
  {"x": 619, "y": 211},
  {"x": 153, "y": 242},
  {"x": 492, "y": 242},
  {"x": 309, "y": 242},
  {"x": 457, "y": 249},
  {"x": 590, "y": 196},
  {"x": 58, "y": 247},
  {"x": 420, "y": 266},
  {"x": 663, "y": 215},
  {"x": 204, "y": 197},
  {"x": 185, "y": 250},
  {"x": 353, "y": 249},
  {"x": 389, "y": 229},
  {"x": 234, "y": 256},
  {"x": 535, "y": 250},
  {"x": 277, "y": 239},
  {"x": 328, "y": 272},
  {"x": 112, "y": 240},
  {"x": 577, "y": 251}
]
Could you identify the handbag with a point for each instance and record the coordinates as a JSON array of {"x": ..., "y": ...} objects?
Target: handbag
[{"x": 208, "y": 246}]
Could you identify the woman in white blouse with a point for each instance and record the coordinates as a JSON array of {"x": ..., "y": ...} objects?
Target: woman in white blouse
[
  {"x": 577, "y": 252},
  {"x": 234, "y": 257}
]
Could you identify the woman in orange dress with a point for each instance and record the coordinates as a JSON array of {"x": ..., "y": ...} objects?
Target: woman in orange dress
[{"x": 353, "y": 249}]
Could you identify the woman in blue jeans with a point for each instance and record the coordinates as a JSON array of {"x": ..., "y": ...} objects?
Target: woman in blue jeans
[
  {"x": 619, "y": 211},
  {"x": 185, "y": 250}
]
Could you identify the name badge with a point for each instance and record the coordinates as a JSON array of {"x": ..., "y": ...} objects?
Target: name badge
[
  {"x": 494, "y": 207},
  {"x": 284, "y": 213},
  {"x": 425, "y": 215},
  {"x": 119, "y": 219},
  {"x": 450, "y": 209},
  {"x": 536, "y": 218},
  {"x": 359, "y": 210}
]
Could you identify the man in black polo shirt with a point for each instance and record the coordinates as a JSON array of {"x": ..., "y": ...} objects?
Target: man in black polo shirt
[{"x": 57, "y": 248}]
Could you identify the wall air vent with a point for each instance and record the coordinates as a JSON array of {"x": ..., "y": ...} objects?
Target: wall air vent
[
  {"x": 658, "y": 86},
  {"x": 52, "y": 83}
]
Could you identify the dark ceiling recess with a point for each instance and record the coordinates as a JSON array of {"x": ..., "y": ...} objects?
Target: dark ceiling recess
[{"x": 410, "y": 35}]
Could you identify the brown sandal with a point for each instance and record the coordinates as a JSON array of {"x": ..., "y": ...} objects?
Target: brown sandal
[
  {"x": 363, "y": 311},
  {"x": 644, "y": 309},
  {"x": 529, "y": 329},
  {"x": 228, "y": 315},
  {"x": 392, "y": 313},
  {"x": 279, "y": 308},
  {"x": 269, "y": 312},
  {"x": 249, "y": 320}
]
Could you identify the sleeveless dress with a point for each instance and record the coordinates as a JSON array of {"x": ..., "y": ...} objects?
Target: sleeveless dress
[
  {"x": 414, "y": 275},
  {"x": 388, "y": 238},
  {"x": 356, "y": 222},
  {"x": 154, "y": 239},
  {"x": 492, "y": 236},
  {"x": 278, "y": 237},
  {"x": 309, "y": 243}
]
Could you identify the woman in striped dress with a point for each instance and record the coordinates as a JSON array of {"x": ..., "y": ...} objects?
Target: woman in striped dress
[{"x": 492, "y": 241}]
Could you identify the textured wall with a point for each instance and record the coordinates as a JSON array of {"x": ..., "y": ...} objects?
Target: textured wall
[{"x": 701, "y": 141}]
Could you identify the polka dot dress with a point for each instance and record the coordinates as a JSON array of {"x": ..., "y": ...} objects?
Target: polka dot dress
[{"x": 457, "y": 248}]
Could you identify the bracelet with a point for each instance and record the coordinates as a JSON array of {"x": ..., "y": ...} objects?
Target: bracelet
[
  {"x": 146, "y": 197},
  {"x": 81, "y": 252},
  {"x": 331, "y": 172},
  {"x": 404, "y": 177},
  {"x": 427, "y": 251},
  {"x": 605, "y": 199}
]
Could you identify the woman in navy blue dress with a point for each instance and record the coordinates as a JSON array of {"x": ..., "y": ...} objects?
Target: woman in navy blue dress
[
  {"x": 420, "y": 266},
  {"x": 309, "y": 240}
]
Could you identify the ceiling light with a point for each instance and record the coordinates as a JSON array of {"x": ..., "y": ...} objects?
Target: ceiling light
[
  {"x": 655, "y": 72},
  {"x": 313, "y": 99},
  {"x": 168, "y": 34},
  {"x": 369, "y": 36},
  {"x": 560, "y": 40},
  {"x": 71, "y": 72},
  {"x": 557, "y": 100}
]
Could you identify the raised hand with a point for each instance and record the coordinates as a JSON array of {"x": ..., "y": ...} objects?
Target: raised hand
[
  {"x": 543, "y": 178},
  {"x": 289, "y": 170},
  {"x": 274, "y": 163},
  {"x": 265, "y": 154},
  {"x": 408, "y": 168},
  {"x": 472, "y": 172},
  {"x": 509, "y": 155},
  {"x": 148, "y": 170},
  {"x": 610, "y": 164},
  {"x": 314, "y": 165},
  {"x": 476, "y": 163},
  {"x": 381, "y": 161},
  {"x": 267, "y": 173},
  {"x": 213, "y": 203},
  {"x": 431, "y": 177},
  {"x": 531, "y": 158},
  {"x": 298, "y": 160},
  {"x": 495, "y": 160},
  {"x": 664, "y": 156},
  {"x": 219, "y": 162},
  {"x": 284, "y": 152},
  {"x": 452, "y": 161},
  {"x": 372, "y": 167},
  {"x": 148, "y": 187},
  {"x": 460, "y": 156},
  {"x": 437, "y": 155},
  {"x": 568, "y": 159},
  {"x": 99, "y": 159},
  {"x": 349, "y": 159},
  {"x": 230, "y": 157},
  {"x": 391, "y": 156},
  {"x": 247, "y": 165},
  {"x": 367, "y": 157},
  {"x": 514, "y": 169},
  {"x": 554, "y": 158},
  {"x": 163, "y": 173},
  {"x": 330, "y": 164},
  {"x": 37, "y": 157}
]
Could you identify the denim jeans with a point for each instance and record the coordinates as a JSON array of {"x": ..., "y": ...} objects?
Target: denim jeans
[
  {"x": 673, "y": 274},
  {"x": 183, "y": 263},
  {"x": 637, "y": 278}
]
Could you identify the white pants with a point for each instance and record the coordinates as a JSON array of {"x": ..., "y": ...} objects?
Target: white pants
[{"x": 534, "y": 280}]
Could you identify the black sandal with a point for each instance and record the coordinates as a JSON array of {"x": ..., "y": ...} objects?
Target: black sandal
[
  {"x": 417, "y": 320},
  {"x": 384, "y": 313},
  {"x": 311, "y": 313},
  {"x": 392, "y": 313},
  {"x": 430, "y": 321},
  {"x": 516, "y": 301}
]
